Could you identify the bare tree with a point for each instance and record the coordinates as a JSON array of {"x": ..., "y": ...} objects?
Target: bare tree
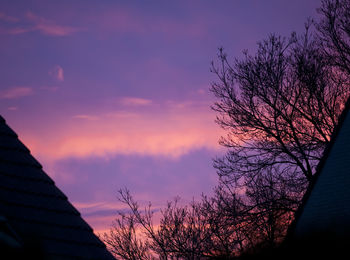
[
  {"x": 215, "y": 227},
  {"x": 334, "y": 32},
  {"x": 123, "y": 240},
  {"x": 279, "y": 108},
  {"x": 226, "y": 223}
]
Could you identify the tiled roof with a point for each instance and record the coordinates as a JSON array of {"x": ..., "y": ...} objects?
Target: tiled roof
[{"x": 37, "y": 210}]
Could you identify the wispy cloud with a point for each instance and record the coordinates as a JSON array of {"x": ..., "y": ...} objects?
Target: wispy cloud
[
  {"x": 162, "y": 131},
  {"x": 100, "y": 208},
  {"x": 49, "y": 27},
  {"x": 134, "y": 101},
  {"x": 15, "y": 92},
  {"x": 34, "y": 23},
  {"x": 57, "y": 73}
]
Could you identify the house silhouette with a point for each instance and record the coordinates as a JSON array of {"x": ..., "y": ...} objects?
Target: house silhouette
[
  {"x": 322, "y": 222},
  {"x": 36, "y": 219},
  {"x": 326, "y": 205}
]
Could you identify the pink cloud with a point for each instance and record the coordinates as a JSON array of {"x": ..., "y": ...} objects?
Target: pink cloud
[
  {"x": 134, "y": 101},
  {"x": 15, "y": 92},
  {"x": 57, "y": 73},
  {"x": 169, "y": 131},
  {"x": 49, "y": 27},
  {"x": 37, "y": 23}
]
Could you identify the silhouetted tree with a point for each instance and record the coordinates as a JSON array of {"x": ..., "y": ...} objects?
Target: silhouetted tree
[
  {"x": 334, "y": 32},
  {"x": 184, "y": 232},
  {"x": 123, "y": 240},
  {"x": 279, "y": 108}
]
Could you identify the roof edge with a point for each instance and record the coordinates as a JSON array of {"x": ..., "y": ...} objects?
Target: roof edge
[{"x": 326, "y": 152}]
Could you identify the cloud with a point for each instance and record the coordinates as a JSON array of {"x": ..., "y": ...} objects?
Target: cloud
[
  {"x": 15, "y": 92},
  {"x": 166, "y": 131},
  {"x": 133, "y": 101},
  {"x": 34, "y": 23},
  {"x": 57, "y": 73},
  {"x": 100, "y": 208},
  {"x": 49, "y": 27}
]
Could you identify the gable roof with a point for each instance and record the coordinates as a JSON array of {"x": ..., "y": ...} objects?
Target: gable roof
[
  {"x": 325, "y": 206},
  {"x": 37, "y": 210}
]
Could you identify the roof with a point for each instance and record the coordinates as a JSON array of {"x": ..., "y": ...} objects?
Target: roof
[
  {"x": 325, "y": 206},
  {"x": 37, "y": 210}
]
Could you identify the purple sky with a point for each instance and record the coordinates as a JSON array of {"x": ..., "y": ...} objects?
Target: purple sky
[{"x": 112, "y": 94}]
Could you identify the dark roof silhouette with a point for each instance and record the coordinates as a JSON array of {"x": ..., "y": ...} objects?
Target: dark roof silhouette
[
  {"x": 34, "y": 210},
  {"x": 325, "y": 208}
]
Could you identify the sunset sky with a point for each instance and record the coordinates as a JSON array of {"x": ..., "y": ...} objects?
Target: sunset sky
[{"x": 112, "y": 94}]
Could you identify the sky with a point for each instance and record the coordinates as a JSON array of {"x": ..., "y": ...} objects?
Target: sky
[{"x": 113, "y": 94}]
